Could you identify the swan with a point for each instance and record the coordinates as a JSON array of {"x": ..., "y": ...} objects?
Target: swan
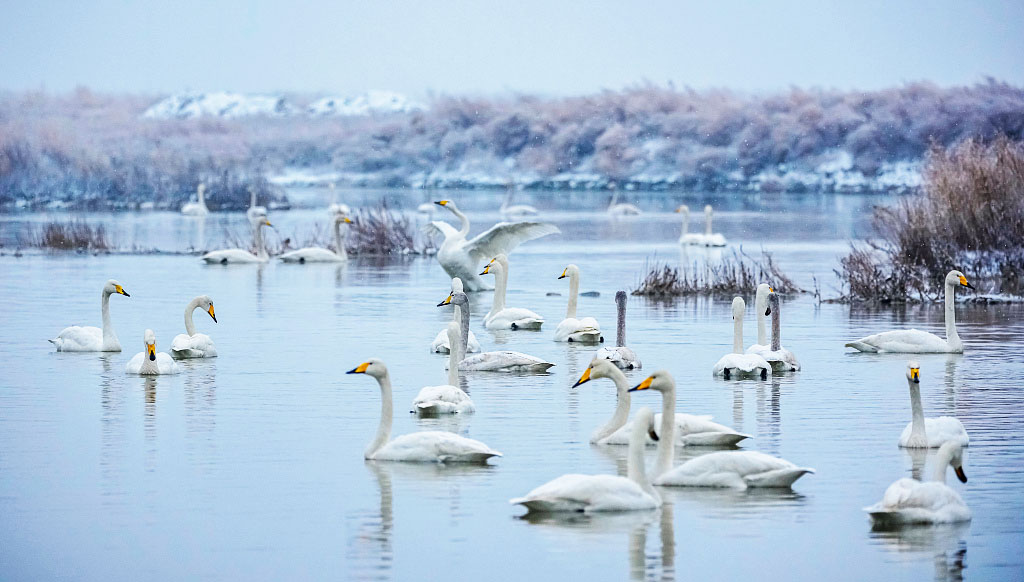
[
  {"x": 509, "y": 210},
  {"x": 689, "y": 429},
  {"x": 254, "y": 211},
  {"x": 93, "y": 339},
  {"x": 909, "y": 501},
  {"x": 448, "y": 398},
  {"x": 459, "y": 257},
  {"x": 686, "y": 237},
  {"x": 150, "y": 363},
  {"x": 572, "y": 329},
  {"x": 230, "y": 256},
  {"x": 322, "y": 255},
  {"x": 927, "y": 433},
  {"x": 710, "y": 239},
  {"x": 191, "y": 344},
  {"x": 593, "y": 493},
  {"x": 501, "y": 317},
  {"x": 197, "y": 208},
  {"x": 761, "y": 311},
  {"x": 739, "y": 469},
  {"x": 620, "y": 355},
  {"x": 615, "y": 208},
  {"x": 491, "y": 361},
  {"x": 737, "y": 363},
  {"x": 430, "y": 446},
  {"x": 912, "y": 341},
  {"x": 441, "y": 344},
  {"x": 781, "y": 359}
]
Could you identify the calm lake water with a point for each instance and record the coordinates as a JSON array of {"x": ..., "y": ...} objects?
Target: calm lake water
[{"x": 249, "y": 466}]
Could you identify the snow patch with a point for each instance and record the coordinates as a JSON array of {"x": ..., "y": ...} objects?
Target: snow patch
[
  {"x": 366, "y": 104},
  {"x": 219, "y": 104}
]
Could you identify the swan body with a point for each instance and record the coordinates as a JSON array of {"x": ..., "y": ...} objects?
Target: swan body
[
  {"x": 595, "y": 493},
  {"x": 909, "y": 501},
  {"x": 93, "y": 339},
  {"x": 571, "y": 329},
  {"x": 685, "y": 236},
  {"x": 449, "y": 398},
  {"x": 191, "y": 344},
  {"x": 150, "y": 363},
  {"x": 708, "y": 238},
  {"x": 503, "y": 361},
  {"x": 913, "y": 341},
  {"x": 925, "y": 433},
  {"x": 501, "y": 317},
  {"x": 197, "y": 208},
  {"x": 688, "y": 429},
  {"x": 738, "y": 364},
  {"x": 419, "y": 447},
  {"x": 616, "y": 208},
  {"x": 322, "y": 255},
  {"x": 233, "y": 256},
  {"x": 780, "y": 359},
  {"x": 441, "y": 343},
  {"x": 620, "y": 355},
  {"x": 509, "y": 210},
  {"x": 460, "y": 257}
]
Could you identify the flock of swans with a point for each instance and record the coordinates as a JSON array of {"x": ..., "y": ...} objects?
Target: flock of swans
[{"x": 905, "y": 501}]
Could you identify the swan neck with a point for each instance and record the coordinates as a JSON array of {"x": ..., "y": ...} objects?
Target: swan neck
[
  {"x": 620, "y": 325},
  {"x": 666, "y": 436},
  {"x": 574, "y": 290},
  {"x": 464, "y": 328},
  {"x": 707, "y": 223},
  {"x": 190, "y": 326},
  {"x": 202, "y": 197},
  {"x": 339, "y": 238},
  {"x": 500, "y": 288},
  {"x": 109, "y": 337},
  {"x": 454, "y": 357},
  {"x": 635, "y": 469},
  {"x": 252, "y": 199},
  {"x": 776, "y": 329},
  {"x": 762, "y": 333},
  {"x": 148, "y": 366},
  {"x": 386, "y": 412},
  {"x": 952, "y": 337},
  {"x": 686, "y": 225},
  {"x": 917, "y": 428},
  {"x": 261, "y": 249},
  {"x": 622, "y": 403},
  {"x": 942, "y": 460},
  {"x": 463, "y": 220},
  {"x": 737, "y": 334}
]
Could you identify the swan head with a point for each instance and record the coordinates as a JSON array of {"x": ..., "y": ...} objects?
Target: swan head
[
  {"x": 457, "y": 285},
  {"x": 914, "y": 371},
  {"x": 372, "y": 367},
  {"x": 570, "y": 271},
  {"x": 620, "y": 298},
  {"x": 259, "y": 218},
  {"x": 113, "y": 287},
  {"x": 150, "y": 339},
  {"x": 761, "y": 297},
  {"x": 955, "y": 452},
  {"x": 738, "y": 305},
  {"x": 449, "y": 204},
  {"x": 683, "y": 209},
  {"x": 460, "y": 299},
  {"x": 598, "y": 368},
  {"x": 955, "y": 278},
  {"x": 207, "y": 304},
  {"x": 707, "y": 209},
  {"x": 662, "y": 381}
]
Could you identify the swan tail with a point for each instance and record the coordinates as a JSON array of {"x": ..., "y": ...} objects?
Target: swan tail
[
  {"x": 714, "y": 439},
  {"x": 777, "y": 478},
  {"x": 549, "y": 505},
  {"x": 531, "y": 324},
  {"x": 863, "y": 347}
]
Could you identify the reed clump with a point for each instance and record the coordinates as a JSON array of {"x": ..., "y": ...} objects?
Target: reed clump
[
  {"x": 72, "y": 236},
  {"x": 735, "y": 274}
]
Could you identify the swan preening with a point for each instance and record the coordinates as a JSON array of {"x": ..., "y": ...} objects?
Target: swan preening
[
  {"x": 689, "y": 429},
  {"x": 738, "y": 364},
  {"x": 594, "y": 493},
  {"x": 708, "y": 239},
  {"x": 149, "y": 362},
  {"x": 461, "y": 258},
  {"x": 504, "y": 361},
  {"x": 441, "y": 343},
  {"x": 197, "y": 208},
  {"x": 191, "y": 344},
  {"x": 229, "y": 256},
  {"x": 620, "y": 355},
  {"x": 780, "y": 359},
  {"x": 913, "y": 341},
  {"x": 571, "y": 329},
  {"x": 93, "y": 339},
  {"x": 448, "y": 398},
  {"x": 340, "y": 222},
  {"x": 430, "y": 446},
  {"x": 501, "y": 317},
  {"x": 909, "y": 501},
  {"x": 921, "y": 432}
]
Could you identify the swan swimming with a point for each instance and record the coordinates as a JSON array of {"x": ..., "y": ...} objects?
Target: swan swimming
[
  {"x": 191, "y": 344},
  {"x": 924, "y": 433},
  {"x": 150, "y": 363},
  {"x": 585, "y": 330},
  {"x": 431, "y": 446},
  {"x": 593, "y": 493},
  {"x": 93, "y": 339},
  {"x": 197, "y": 208},
  {"x": 501, "y": 317},
  {"x": 781, "y": 359},
  {"x": 254, "y": 211},
  {"x": 322, "y": 255},
  {"x": 505, "y": 361},
  {"x": 689, "y": 429},
  {"x": 441, "y": 344},
  {"x": 231, "y": 256},
  {"x": 449, "y": 398},
  {"x": 509, "y": 210},
  {"x": 685, "y": 236},
  {"x": 912, "y": 341},
  {"x": 620, "y": 355},
  {"x": 709, "y": 238},
  {"x": 737, "y": 364},
  {"x": 460, "y": 257},
  {"x": 761, "y": 311},
  {"x": 909, "y": 501},
  {"x": 616, "y": 208}
]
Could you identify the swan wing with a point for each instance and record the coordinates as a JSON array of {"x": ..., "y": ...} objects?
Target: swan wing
[
  {"x": 622, "y": 356},
  {"x": 505, "y": 236},
  {"x": 911, "y": 501},
  {"x": 444, "y": 399},
  {"x": 439, "y": 227},
  {"x": 134, "y": 364},
  {"x": 311, "y": 255},
  {"x": 231, "y": 256},
  {"x": 441, "y": 345},
  {"x": 744, "y": 363},
  {"x": 945, "y": 428},
  {"x": 908, "y": 341},
  {"x": 587, "y": 493},
  {"x": 79, "y": 339},
  {"x": 435, "y": 446},
  {"x": 505, "y": 361},
  {"x": 166, "y": 364},
  {"x": 515, "y": 318},
  {"x": 196, "y": 346},
  {"x": 740, "y": 469}
]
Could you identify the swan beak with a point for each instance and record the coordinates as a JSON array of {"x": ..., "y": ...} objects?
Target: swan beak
[
  {"x": 770, "y": 290},
  {"x": 360, "y": 369},
  {"x": 267, "y": 222},
  {"x": 492, "y": 261},
  {"x": 960, "y": 474},
  {"x": 442, "y": 203},
  {"x": 210, "y": 311},
  {"x": 121, "y": 290},
  {"x": 963, "y": 281},
  {"x": 151, "y": 348},
  {"x": 643, "y": 385},
  {"x": 487, "y": 269},
  {"x": 446, "y": 301},
  {"x": 915, "y": 375},
  {"x": 653, "y": 435},
  {"x": 768, "y": 311},
  {"x": 348, "y": 220},
  {"x": 584, "y": 378},
  {"x": 562, "y": 276}
]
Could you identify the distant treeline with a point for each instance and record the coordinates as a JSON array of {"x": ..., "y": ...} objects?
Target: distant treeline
[{"x": 96, "y": 151}]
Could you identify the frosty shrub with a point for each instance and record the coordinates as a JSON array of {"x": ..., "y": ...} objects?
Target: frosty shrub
[
  {"x": 735, "y": 274},
  {"x": 72, "y": 236}
]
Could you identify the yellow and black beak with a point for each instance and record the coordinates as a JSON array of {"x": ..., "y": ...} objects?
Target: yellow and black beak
[
  {"x": 643, "y": 385},
  {"x": 360, "y": 369},
  {"x": 151, "y": 349},
  {"x": 447, "y": 300},
  {"x": 348, "y": 220},
  {"x": 963, "y": 281},
  {"x": 562, "y": 276},
  {"x": 267, "y": 222},
  {"x": 121, "y": 290},
  {"x": 584, "y": 378},
  {"x": 653, "y": 435},
  {"x": 915, "y": 375},
  {"x": 960, "y": 474},
  {"x": 212, "y": 314},
  {"x": 768, "y": 311},
  {"x": 441, "y": 203},
  {"x": 487, "y": 269}
]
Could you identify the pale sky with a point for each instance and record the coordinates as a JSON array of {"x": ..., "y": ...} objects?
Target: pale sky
[{"x": 420, "y": 47}]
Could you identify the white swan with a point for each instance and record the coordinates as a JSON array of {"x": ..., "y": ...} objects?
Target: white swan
[
  {"x": 191, "y": 344},
  {"x": 430, "y": 446},
  {"x": 197, "y": 208},
  {"x": 593, "y": 493},
  {"x": 449, "y": 398},
  {"x": 504, "y": 361},
  {"x": 150, "y": 363},
  {"x": 441, "y": 344},
  {"x": 909, "y": 501},
  {"x": 615, "y": 208},
  {"x": 739, "y": 469},
  {"x": 461, "y": 258},
  {"x": 231, "y": 256},
  {"x": 781, "y": 359},
  {"x": 254, "y": 211},
  {"x": 509, "y": 210},
  {"x": 737, "y": 364},
  {"x": 322, "y": 255},
  {"x": 620, "y": 355},
  {"x": 571, "y": 329},
  {"x": 685, "y": 236},
  {"x": 921, "y": 432},
  {"x": 912, "y": 341},
  {"x": 761, "y": 311},
  {"x": 689, "y": 429},
  {"x": 709, "y": 238},
  {"x": 93, "y": 339},
  {"x": 501, "y": 317}
]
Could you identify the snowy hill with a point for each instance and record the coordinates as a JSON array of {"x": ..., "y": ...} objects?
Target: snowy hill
[
  {"x": 370, "y": 102},
  {"x": 233, "y": 105}
]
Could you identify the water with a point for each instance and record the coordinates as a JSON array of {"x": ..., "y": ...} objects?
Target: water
[{"x": 250, "y": 465}]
